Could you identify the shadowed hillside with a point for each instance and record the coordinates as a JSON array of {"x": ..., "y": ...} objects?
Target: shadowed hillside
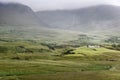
[{"x": 18, "y": 15}]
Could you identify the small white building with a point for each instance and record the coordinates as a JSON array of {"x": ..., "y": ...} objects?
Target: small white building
[{"x": 93, "y": 46}]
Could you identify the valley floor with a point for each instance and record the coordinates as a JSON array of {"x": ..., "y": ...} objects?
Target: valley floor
[
  {"x": 30, "y": 60},
  {"x": 59, "y": 69}
]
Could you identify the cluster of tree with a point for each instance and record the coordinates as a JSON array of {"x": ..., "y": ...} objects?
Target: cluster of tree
[
  {"x": 5, "y": 40},
  {"x": 113, "y": 39},
  {"x": 51, "y": 46},
  {"x": 83, "y": 40},
  {"x": 22, "y": 49},
  {"x": 116, "y": 46},
  {"x": 3, "y": 49},
  {"x": 54, "y": 46}
]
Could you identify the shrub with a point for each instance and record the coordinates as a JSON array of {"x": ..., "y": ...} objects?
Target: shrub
[
  {"x": 3, "y": 49},
  {"x": 68, "y": 51}
]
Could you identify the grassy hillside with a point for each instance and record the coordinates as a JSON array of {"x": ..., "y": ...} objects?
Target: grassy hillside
[
  {"x": 39, "y": 34},
  {"x": 28, "y": 53},
  {"x": 42, "y": 63},
  {"x": 97, "y": 54},
  {"x": 92, "y": 51}
]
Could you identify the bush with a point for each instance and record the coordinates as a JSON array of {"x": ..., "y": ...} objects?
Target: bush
[
  {"x": 68, "y": 51},
  {"x": 20, "y": 49},
  {"x": 21, "y": 57},
  {"x": 3, "y": 49}
]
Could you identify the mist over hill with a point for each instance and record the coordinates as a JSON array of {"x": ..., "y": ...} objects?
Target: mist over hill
[
  {"x": 98, "y": 20},
  {"x": 105, "y": 18},
  {"x": 95, "y": 19},
  {"x": 17, "y": 15}
]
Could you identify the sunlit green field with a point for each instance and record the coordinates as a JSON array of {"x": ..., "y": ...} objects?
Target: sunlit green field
[{"x": 84, "y": 51}]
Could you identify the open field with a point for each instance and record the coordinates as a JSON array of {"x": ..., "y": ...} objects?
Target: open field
[
  {"x": 59, "y": 70},
  {"x": 45, "y": 66}
]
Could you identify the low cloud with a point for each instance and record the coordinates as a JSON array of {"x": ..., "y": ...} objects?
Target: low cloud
[{"x": 62, "y": 4}]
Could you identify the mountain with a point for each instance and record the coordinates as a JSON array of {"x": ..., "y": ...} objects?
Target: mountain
[
  {"x": 20, "y": 22},
  {"x": 89, "y": 19},
  {"x": 17, "y": 14}
]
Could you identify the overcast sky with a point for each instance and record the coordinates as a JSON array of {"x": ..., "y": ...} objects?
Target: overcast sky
[{"x": 62, "y": 4}]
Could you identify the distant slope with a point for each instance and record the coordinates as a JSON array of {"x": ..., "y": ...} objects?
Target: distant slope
[
  {"x": 19, "y": 22},
  {"x": 99, "y": 18},
  {"x": 39, "y": 34},
  {"x": 17, "y": 14}
]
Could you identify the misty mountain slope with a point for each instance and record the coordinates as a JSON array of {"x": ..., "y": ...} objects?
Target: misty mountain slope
[
  {"x": 19, "y": 22},
  {"x": 89, "y": 19},
  {"x": 17, "y": 14}
]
